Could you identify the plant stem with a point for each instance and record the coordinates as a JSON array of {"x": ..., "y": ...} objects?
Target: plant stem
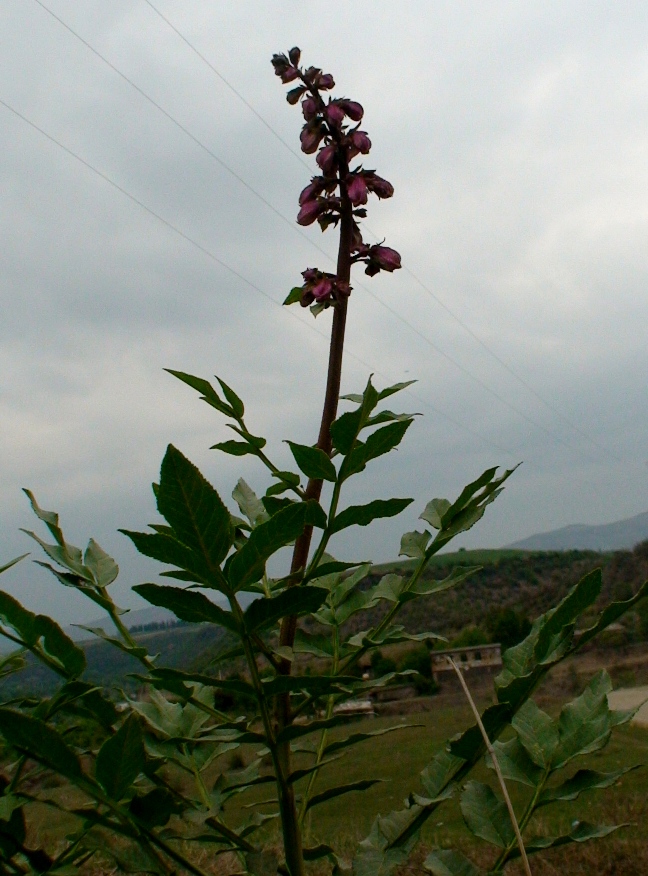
[{"x": 500, "y": 777}]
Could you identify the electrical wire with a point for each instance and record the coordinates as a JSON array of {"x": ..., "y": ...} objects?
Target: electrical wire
[
  {"x": 508, "y": 368},
  {"x": 530, "y": 420},
  {"x": 213, "y": 257}
]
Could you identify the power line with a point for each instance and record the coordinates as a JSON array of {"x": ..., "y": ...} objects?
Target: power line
[
  {"x": 286, "y": 220},
  {"x": 438, "y": 300},
  {"x": 213, "y": 257}
]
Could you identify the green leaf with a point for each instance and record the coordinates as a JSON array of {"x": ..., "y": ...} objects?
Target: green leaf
[
  {"x": 264, "y": 612},
  {"x": 515, "y": 763},
  {"x": 208, "y": 392},
  {"x": 317, "y": 685},
  {"x": 249, "y": 503},
  {"x": 104, "y": 569},
  {"x": 60, "y": 646},
  {"x": 20, "y": 619},
  {"x": 447, "y": 862},
  {"x": 434, "y": 512},
  {"x": 378, "y": 443},
  {"x": 355, "y": 738},
  {"x": 41, "y": 742},
  {"x": 583, "y": 780},
  {"x": 413, "y": 544},
  {"x": 187, "y": 605},
  {"x": 362, "y": 515},
  {"x": 154, "y": 808},
  {"x": 316, "y": 644},
  {"x": 466, "y": 744},
  {"x": 428, "y": 586},
  {"x": 439, "y": 772},
  {"x": 248, "y": 564},
  {"x": 261, "y": 863},
  {"x": 235, "y": 402},
  {"x": 194, "y": 509},
  {"x": 486, "y": 816},
  {"x": 584, "y": 724},
  {"x": 121, "y": 758},
  {"x": 581, "y": 833},
  {"x": 138, "y": 652},
  {"x": 255, "y": 441},
  {"x": 537, "y": 733},
  {"x": 313, "y": 462},
  {"x": 610, "y": 614},
  {"x": 395, "y": 387},
  {"x": 339, "y": 790},
  {"x": 234, "y": 685},
  {"x": 167, "y": 549},
  {"x": 389, "y": 587},
  {"x": 12, "y": 563},
  {"x": 294, "y": 295},
  {"x": 234, "y": 448},
  {"x": 346, "y": 428}
]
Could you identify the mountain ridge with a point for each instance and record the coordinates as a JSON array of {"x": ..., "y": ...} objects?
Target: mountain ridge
[{"x": 620, "y": 535}]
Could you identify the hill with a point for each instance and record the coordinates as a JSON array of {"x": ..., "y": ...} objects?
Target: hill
[{"x": 622, "y": 535}]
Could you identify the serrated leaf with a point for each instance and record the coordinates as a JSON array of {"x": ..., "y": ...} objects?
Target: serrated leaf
[
  {"x": 121, "y": 758},
  {"x": 355, "y": 738},
  {"x": 447, "y": 862},
  {"x": 363, "y": 515},
  {"x": 234, "y": 685},
  {"x": 581, "y": 781},
  {"x": 434, "y": 512},
  {"x": 581, "y": 833},
  {"x": 584, "y": 724},
  {"x": 60, "y": 646},
  {"x": 377, "y": 444},
  {"x": 486, "y": 816},
  {"x": 466, "y": 744},
  {"x": 313, "y": 462},
  {"x": 187, "y": 605},
  {"x": 515, "y": 763},
  {"x": 264, "y": 612},
  {"x": 40, "y": 742},
  {"x": 248, "y": 564},
  {"x": 394, "y": 388},
  {"x": 12, "y": 563},
  {"x": 312, "y": 643},
  {"x": 339, "y": 790},
  {"x": 346, "y": 428},
  {"x": 194, "y": 509},
  {"x": 104, "y": 569},
  {"x": 413, "y": 544},
  {"x": 294, "y": 295},
  {"x": 207, "y": 391},
  {"x": 428, "y": 586},
  {"x": 389, "y": 587},
  {"x": 20, "y": 619},
  {"x": 317, "y": 685},
  {"x": 234, "y": 401},
  {"x": 251, "y": 506},
  {"x": 234, "y": 448},
  {"x": 439, "y": 772},
  {"x": 537, "y": 733},
  {"x": 167, "y": 549},
  {"x": 138, "y": 652}
]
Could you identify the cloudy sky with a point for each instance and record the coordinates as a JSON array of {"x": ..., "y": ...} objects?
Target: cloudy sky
[{"x": 137, "y": 237}]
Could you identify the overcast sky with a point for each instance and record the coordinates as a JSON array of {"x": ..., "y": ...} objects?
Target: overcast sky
[{"x": 516, "y": 137}]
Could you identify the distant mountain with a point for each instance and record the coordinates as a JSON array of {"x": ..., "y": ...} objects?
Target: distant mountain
[
  {"x": 138, "y": 617},
  {"x": 622, "y": 535}
]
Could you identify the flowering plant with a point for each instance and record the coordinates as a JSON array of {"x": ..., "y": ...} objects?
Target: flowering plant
[{"x": 153, "y": 784}]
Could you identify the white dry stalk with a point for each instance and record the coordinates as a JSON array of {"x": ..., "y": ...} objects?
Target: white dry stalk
[{"x": 491, "y": 751}]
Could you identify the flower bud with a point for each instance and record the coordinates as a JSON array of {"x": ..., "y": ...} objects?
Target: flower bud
[
  {"x": 312, "y": 190},
  {"x": 356, "y": 189},
  {"x": 352, "y": 108},
  {"x": 361, "y": 141},
  {"x": 325, "y": 81},
  {"x": 309, "y": 108},
  {"x": 309, "y": 212},
  {"x": 280, "y": 64},
  {"x": 327, "y": 158},
  {"x": 289, "y": 74},
  {"x": 311, "y": 137},
  {"x": 294, "y": 94},
  {"x": 310, "y": 274},
  {"x": 342, "y": 289},
  {"x": 322, "y": 289},
  {"x": 382, "y": 258},
  {"x": 334, "y": 114},
  {"x": 378, "y": 185},
  {"x": 294, "y": 54}
]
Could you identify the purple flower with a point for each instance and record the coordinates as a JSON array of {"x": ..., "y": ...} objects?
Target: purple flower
[
  {"x": 327, "y": 158},
  {"x": 356, "y": 189},
  {"x": 309, "y": 212},
  {"x": 334, "y": 114},
  {"x": 312, "y": 190},
  {"x": 309, "y": 108},
  {"x": 325, "y": 81},
  {"x": 310, "y": 274},
  {"x": 311, "y": 137},
  {"x": 378, "y": 185},
  {"x": 352, "y": 108},
  {"x": 294, "y": 54},
  {"x": 289, "y": 74},
  {"x": 382, "y": 258},
  {"x": 361, "y": 141},
  {"x": 322, "y": 289}
]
